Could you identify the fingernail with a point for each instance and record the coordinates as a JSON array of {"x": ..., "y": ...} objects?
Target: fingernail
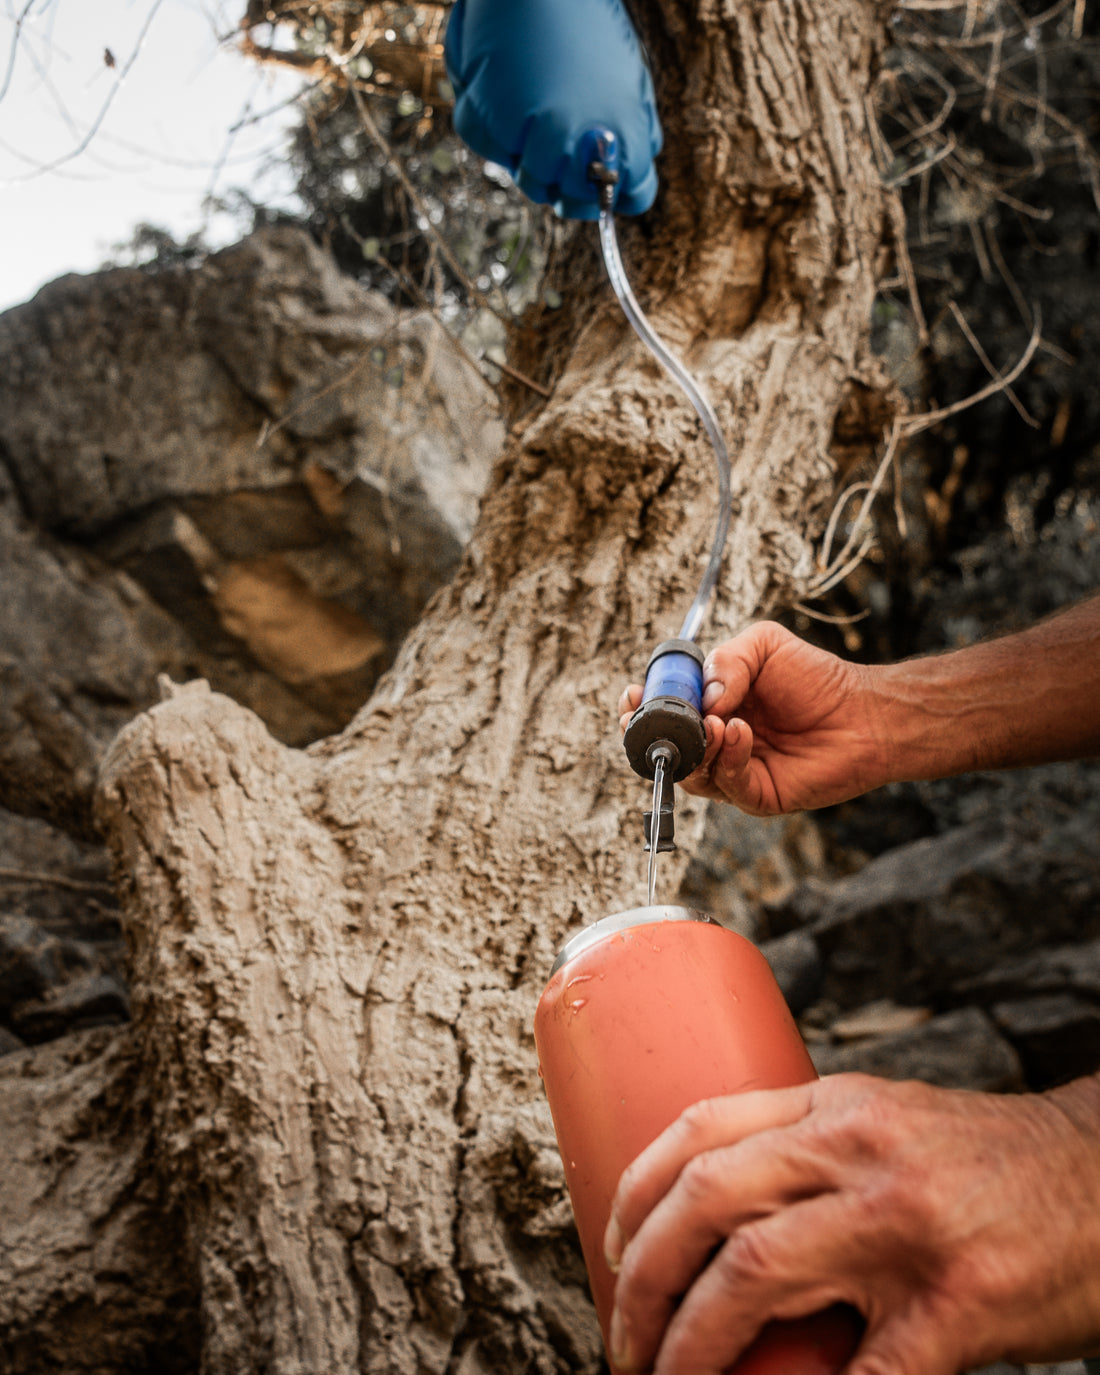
[
  {"x": 613, "y": 1245},
  {"x": 711, "y": 694},
  {"x": 620, "y": 1348}
]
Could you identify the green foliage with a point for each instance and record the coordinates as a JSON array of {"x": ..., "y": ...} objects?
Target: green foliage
[
  {"x": 154, "y": 248},
  {"x": 355, "y": 200}
]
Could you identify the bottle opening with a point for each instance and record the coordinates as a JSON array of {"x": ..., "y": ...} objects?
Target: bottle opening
[{"x": 623, "y": 921}]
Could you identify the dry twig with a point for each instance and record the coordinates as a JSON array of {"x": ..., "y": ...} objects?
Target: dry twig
[
  {"x": 33, "y": 878},
  {"x": 97, "y": 123},
  {"x": 860, "y": 540}
]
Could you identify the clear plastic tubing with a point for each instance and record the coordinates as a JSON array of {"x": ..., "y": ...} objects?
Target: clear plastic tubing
[{"x": 632, "y": 310}]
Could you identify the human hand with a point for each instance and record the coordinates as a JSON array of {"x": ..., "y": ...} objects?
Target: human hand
[
  {"x": 532, "y": 79},
  {"x": 805, "y": 733},
  {"x": 963, "y": 1226}
]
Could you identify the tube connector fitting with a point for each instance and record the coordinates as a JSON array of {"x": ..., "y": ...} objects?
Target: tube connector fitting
[{"x": 599, "y": 150}]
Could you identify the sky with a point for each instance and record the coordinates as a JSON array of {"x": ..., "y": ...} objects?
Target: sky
[{"x": 158, "y": 124}]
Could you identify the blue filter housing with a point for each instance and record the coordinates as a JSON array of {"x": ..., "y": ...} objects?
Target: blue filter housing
[{"x": 671, "y": 711}]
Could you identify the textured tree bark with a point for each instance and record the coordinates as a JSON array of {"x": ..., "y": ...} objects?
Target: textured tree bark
[
  {"x": 94, "y": 1278},
  {"x": 336, "y": 953}
]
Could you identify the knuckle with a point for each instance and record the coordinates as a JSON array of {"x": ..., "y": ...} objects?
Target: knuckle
[
  {"x": 747, "y": 1258},
  {"x": 698, "y": 1126},
  {"x": 868, "y": 1128},
  {"x": 700, "y": 1178},
  {"x": 861, "y": 1117}
]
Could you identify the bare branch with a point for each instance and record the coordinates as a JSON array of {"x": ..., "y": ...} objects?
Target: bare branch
[
  {"x": 930, "y": 161},
  {"x": 20, "y": 20},
  {"x": 839, "y": 568},
  {"x": 905, "y": 266},
  {"x": 815, "y": 615},
  {"x": 96, "y": 124},
  {"x": 415, "y": 198},
  {"x": 834, "y": 519},
  {"x": 840, "y": 571},
  {"x": 903, "y": 428},
  {"x": 915, "y": 424},
  {"x": 972, "y": 340},
  {"x": 32, "y": 878}
]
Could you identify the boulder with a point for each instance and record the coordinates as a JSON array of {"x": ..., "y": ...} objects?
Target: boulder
[
  {"x": 61, "y": 947},
  {"x": 922, "y": 918},
  {"x": 1056, "y": 1035},
  {"x": 960, "y": 1049},
  {"x": 253, "y": 471},
  {"x": 796, "y": 963}
]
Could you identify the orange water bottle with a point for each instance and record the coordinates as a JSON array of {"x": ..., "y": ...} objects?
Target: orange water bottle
[{"x": 647, "y": 1012}]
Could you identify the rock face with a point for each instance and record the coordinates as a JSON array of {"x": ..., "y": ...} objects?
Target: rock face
[
  {"x": 969, "y": 958},
  {"x": 254, "y": 472},
  {"x": 927, "y": 914}
]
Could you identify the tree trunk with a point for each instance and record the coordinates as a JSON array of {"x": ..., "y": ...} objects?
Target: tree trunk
[{"x": 336, "y": 953}]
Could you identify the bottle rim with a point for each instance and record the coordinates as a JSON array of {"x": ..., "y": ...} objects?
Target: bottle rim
[{"x": 623, "y": 921}]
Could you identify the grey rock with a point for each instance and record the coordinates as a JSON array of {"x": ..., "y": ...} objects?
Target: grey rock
[
  {"x": 796, "y": 963},
  {"x": 1057, "y": 1036},
  {"x": 60, "y": 881},
  {"x": 1017, "y": 574},
  {"x": 960, "y": 1049},
  {"x": 253, "y": 471},
  {"x": 744, "y": 862},
  {"x": 58, "y": 910},
  {"x": 9, "y": 1042},
  {"x": 129, "y": 388},
  {"x": 1057, "y": 969},
  {"x": 30, "y": 962},
  {"x": 59, "y": 931},
  {"x": 926, "y": 916},
  {"x": 80, "y": 648},
  {"x": 50, "y": 984}
]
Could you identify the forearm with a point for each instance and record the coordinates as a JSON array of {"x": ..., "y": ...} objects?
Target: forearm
[{"x": 1028, "y": 698}]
